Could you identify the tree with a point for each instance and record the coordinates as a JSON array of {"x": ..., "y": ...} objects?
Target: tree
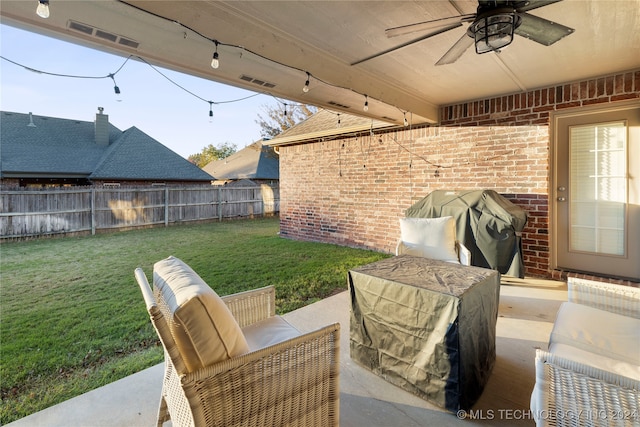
[
  {"x": 276, "y": 121},
  {"x": 211, "y": 153}
]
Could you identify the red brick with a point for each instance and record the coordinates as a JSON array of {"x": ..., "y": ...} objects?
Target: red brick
[
  {"x": 575, "y": 91},
  {"x": 600, "y": 87},
  {"x": 592, "y": 92},
  {"x": 628, "y": 82},
  {"x": 608, "y": 85}
]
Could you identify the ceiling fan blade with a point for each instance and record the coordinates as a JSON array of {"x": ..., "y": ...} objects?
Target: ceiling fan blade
[
  {"x": 419, "y": 39},
  {"x": 541, "y": 30},
  {"x": 456, "y": 50},
  {"x": 427, "y": 25},
  {"x": 525, "y": 6}
]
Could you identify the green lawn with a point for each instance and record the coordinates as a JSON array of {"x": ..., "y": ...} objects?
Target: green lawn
[{"x": 73, "y": 319}]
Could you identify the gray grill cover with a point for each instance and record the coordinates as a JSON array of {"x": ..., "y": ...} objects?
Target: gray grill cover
[{"x": 487, "y": 224}]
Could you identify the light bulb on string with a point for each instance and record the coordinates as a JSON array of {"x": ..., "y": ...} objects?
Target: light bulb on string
[
  {"x": 116, "y": 89},
  {"x": 406, "y": 123},
  {"x": 215, "y": 62},
  {"x": 285, "y": 110},
  {"x": 338, "y": 119},
  {"x": 43, "y": 8},
  {"x": 366, "y": 103},
  {"x": 210, "y": 108},
  {"x": 305, "y": 89}
]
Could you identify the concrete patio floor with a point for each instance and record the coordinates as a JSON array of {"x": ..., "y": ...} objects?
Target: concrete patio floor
[{"x": 526, "y": 314}]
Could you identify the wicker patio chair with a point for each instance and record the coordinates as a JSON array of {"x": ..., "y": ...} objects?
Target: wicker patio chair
[{"x": 293, "y": 382}]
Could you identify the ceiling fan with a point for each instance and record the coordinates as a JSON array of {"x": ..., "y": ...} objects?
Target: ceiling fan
[{"x": 492, "y": 28}]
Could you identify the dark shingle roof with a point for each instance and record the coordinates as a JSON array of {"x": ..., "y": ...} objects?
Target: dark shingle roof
[
  {"x": 256, "y": 161},
  {"x": 53, "y": 146},
  {"x": 137, "y": 156},
  {"x": 61, "y": 147}
]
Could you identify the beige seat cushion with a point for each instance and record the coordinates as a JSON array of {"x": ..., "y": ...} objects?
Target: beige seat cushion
[
  {"x": 273, "y": 330},
  {"x": 433, "y": 238},
  {"x": 202, "y": 326},
  {"x": 597, "y": 331},
  {"x": 616, "y": 366}
]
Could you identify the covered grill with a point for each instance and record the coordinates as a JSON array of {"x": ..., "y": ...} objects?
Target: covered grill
[{"x": 488, "y": 224}]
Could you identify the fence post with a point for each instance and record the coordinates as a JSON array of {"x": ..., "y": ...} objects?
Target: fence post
[
  {"x": 166, "y": 206},
  {"x": 262, "y": 202},
  {"x": 93, "y": 211},
  {"x": 219, "y": 203}
]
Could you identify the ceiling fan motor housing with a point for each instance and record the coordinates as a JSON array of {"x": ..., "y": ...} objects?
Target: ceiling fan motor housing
[{"x": 493, "y": 28}]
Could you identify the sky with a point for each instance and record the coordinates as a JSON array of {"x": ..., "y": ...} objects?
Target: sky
[{"x": 147, "y": 100}]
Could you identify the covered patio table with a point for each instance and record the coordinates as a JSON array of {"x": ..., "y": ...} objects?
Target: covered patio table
[{"x": 426, "y": 326}]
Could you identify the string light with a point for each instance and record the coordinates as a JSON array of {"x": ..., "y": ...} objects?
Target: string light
[
  {"x": 244, "y": 49},
  {"x": 116, "y": 89},
  {"x": 210, "y": 108},
  {"x": 338, "y": 119},
  {"x": 305, "y": 89},
  {"x": 215, "y": 62},
  {"x": 285, "y": 110},
  {"x": 43, "y": 8},
  {"x": 406, "y": 123}
]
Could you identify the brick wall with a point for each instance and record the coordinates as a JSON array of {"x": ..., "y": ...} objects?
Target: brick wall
[{"x": 351, "y": 190}]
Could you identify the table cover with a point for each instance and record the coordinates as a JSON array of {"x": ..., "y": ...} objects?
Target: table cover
[{"x": 427, "y": 326}]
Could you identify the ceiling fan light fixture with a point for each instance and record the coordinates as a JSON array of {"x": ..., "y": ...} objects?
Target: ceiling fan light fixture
[{"x": 493, "y": 29}]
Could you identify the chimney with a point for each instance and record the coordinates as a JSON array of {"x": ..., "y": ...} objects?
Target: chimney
[{"x": 102, "y": 128}]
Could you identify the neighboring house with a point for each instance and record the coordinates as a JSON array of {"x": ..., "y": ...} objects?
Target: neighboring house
[
  {"x": 253, "y": 165},
  {"x": 347, "y": 186},
  {"x": 327, "y": 125},
  {"x": 49, "y": 151}
]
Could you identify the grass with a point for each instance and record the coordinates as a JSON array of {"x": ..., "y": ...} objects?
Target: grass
[{"x": 73, "y": 318}]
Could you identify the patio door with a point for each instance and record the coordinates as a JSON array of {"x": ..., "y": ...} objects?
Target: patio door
[{"x": 596, "y": 191}]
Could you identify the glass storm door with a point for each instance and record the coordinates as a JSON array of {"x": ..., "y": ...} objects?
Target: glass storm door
[{"x": 597, "y": 192}]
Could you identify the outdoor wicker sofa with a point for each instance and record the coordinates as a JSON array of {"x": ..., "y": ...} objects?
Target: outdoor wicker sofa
[
  {"x": 591, "y": 374},
  {"x": 231, "y": 361}
]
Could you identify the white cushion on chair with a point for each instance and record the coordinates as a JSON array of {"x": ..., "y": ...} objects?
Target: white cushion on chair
[
  {"x": 597, "y": 331},
  {"x": 202, "y": 326},
  {"x": 433, "y": 238},
  {"x": 264, "y": 333},
  {"x": 619, "y": 367}
]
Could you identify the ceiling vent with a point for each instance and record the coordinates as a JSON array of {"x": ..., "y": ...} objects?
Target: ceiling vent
[
  {"x": 256, "y": 81},
  {"x": 337, "y": 104},
  {"x": 101, "y": 34}
]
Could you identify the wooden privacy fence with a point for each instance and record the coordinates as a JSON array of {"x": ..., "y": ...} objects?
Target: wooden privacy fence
[{"x": 36, "y": 212}]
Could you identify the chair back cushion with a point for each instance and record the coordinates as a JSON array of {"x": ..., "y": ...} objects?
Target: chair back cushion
[
  {"x": 433, "y": 238},
  {"x": 202, "y": 326}
]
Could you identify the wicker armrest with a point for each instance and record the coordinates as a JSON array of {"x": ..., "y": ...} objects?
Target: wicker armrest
[
  {"x": 618, "y": 299},
  {"x": 252, "y": 306},
  {"x": 295, "y": 382},
  {"x": 569, "y": 393}
]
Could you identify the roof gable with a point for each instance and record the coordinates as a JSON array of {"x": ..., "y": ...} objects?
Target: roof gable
[
  {"x": 326, "y": 123},
  {"x": 255, "y": 161},
  {"x": 48, "y": 145},
  {"x": 137, "y": 156}
]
